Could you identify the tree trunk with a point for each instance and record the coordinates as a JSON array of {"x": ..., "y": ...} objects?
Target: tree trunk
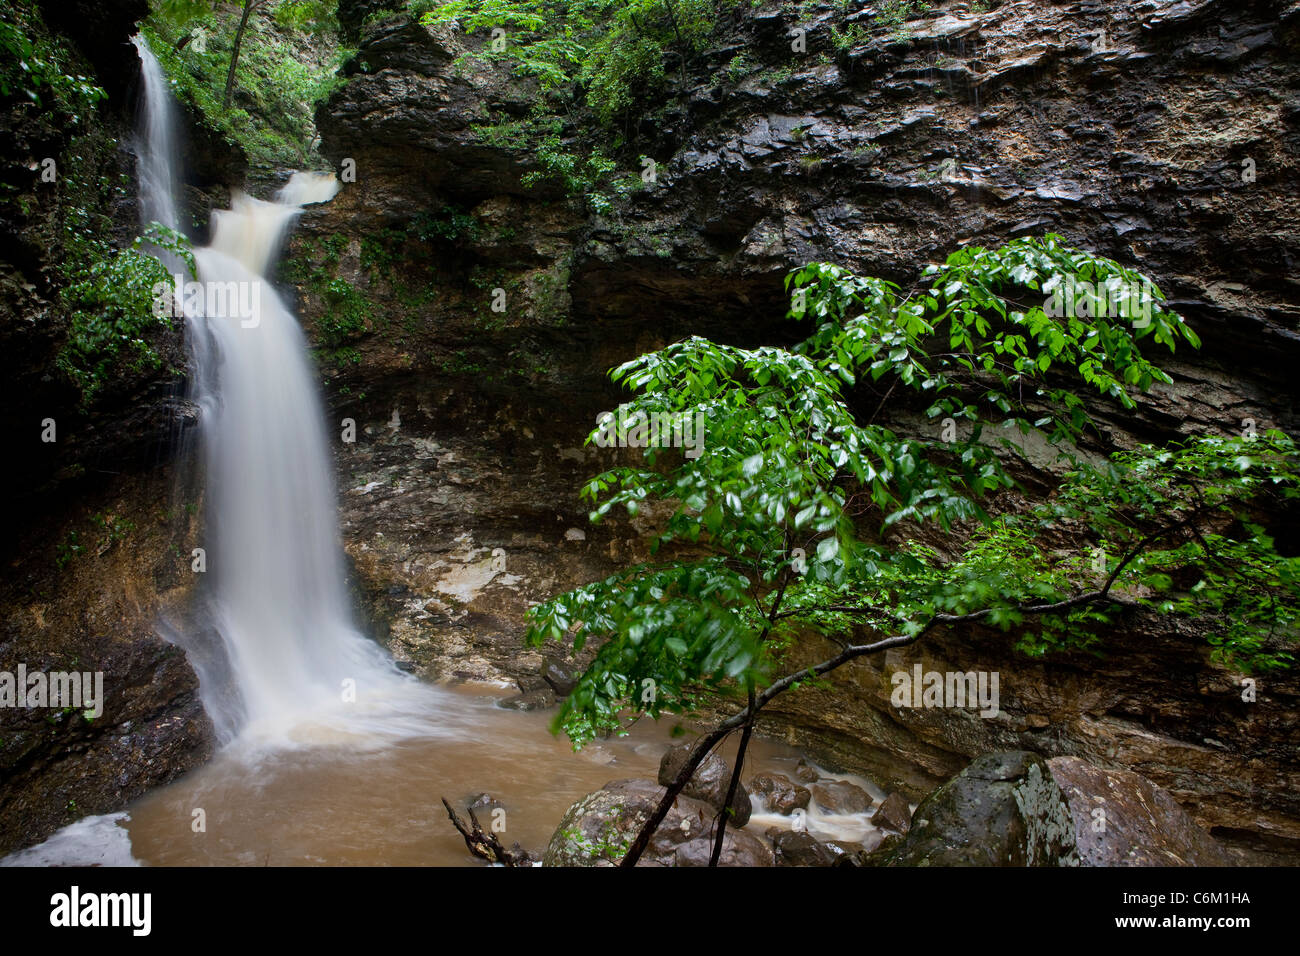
[
  {"x": 234, "y": 53},
  {"x": 735, "y": 779},
  {"x": 682, "y": 49}
]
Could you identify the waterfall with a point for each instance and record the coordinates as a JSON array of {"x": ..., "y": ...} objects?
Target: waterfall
[
  {"x": 279, "y": 660},
  {"x": 156, "y": 144}
]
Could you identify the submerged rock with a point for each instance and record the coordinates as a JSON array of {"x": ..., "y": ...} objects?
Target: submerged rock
[
  {"x": 539, "y": 699},
  {"x": 881, "y": 854},
  {"x": 780, "y": 793},
  {"x": 1005, "y": 809},
  {"x": 1123, "y": 819},
  {"x": 806, "y": 773},
  {"x": 848, "y": 850},
  {"x": 709, "y": 782},
  {"x": 598, "y": 829},
  {"x": 484, "y": 801},
  {"x": 840, "y": 796}
]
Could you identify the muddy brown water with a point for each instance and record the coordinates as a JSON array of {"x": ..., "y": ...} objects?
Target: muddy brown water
[{"x": 329, "y": 805}]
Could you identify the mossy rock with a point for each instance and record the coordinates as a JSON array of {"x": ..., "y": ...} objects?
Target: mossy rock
[
  {"x": 1005, "y": 809},
  {"x": 599, "y": 828}
]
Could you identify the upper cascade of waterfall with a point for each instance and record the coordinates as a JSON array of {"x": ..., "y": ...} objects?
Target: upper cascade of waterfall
[
  {"x": 307, "y": 188},
  {"x": 157, "y": 147},
  {"x": 253, "y": 230}
]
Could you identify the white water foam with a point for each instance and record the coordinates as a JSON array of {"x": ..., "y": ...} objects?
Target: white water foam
[{"x": 91, "y": 841}]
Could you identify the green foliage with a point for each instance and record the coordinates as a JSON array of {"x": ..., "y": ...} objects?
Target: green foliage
[
  {"x": 40, "y": 68},
  {"x": 892, "y": 14},
  {"x": 315, "y": 266},
  {"x": 105, "y": 292},
  {"x": 792, "y": 474},
  {"x": 399, "y": 258},
  {"x": 179, "y": 13},
  {"x": 581, "y": 170},
  {"x": 109, "y": 296},
  {"x": 67, "y": 549},
  {"x": 617, "y": 54},
  {"x": 278, "y": 87},
  {"x": 346, "y": 313},
  {"x": 615, "y": 49},
  {"x": 991, "y": 309},
  {"x": 895, "y": 12},
  {"x": 1214, "y": 561},
  {"x": 461, "y": 364},
  {"x": 451, "y": 224},
  {"x": 740, "y": 67},
  {"x": 847, "y": 37},
  {"x": 315, "y": 16},
  {"x": 1177, "y": 528},
  {"x": 608, "y": 844},
  {"x": 106, "y": 531}
]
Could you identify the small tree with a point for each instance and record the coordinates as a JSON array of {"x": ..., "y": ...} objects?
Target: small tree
[
  {"x": 298, "y": 13},
  {"x": 249, "y": 7},
  {"x": 784, "y": 521},
  {"x": 614, "y": 48},
  {"x": 609, "y": 58}
]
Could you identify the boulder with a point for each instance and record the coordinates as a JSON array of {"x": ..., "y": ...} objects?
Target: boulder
[
  {"x": 780, "y": 793},
  {"x": 1005, "y": 809},
  {"x": 847, "y": 849},
  {"x": 879, "y": 850},
  {"x": 597, "y": 830},
  {"x": 893, "y": 814},
  {"x": 539, "y": 699},
  {"x": 840, "y": 796},
  {"x": 709, "y": 782},
  {"x": 560, "y": 678},
  {"x": 794, "y": 848},
  {"x": 1123, "y": 819}
]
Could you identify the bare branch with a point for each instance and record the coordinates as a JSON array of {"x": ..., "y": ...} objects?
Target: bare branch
[{"x": 485, "y": 845}]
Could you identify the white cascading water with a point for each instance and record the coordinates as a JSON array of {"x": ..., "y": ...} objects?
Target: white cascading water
[
  {"x": 157, "y": 148},
  {"x": 286, "y": 664}
]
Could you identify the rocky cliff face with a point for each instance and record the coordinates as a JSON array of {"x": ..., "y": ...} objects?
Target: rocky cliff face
[
  {"x": 1159, "y": 134},
  {"x": 94, "y": 586},
  {"x": 57, "y": 168},
  {"x": 97, "y": 526}
]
